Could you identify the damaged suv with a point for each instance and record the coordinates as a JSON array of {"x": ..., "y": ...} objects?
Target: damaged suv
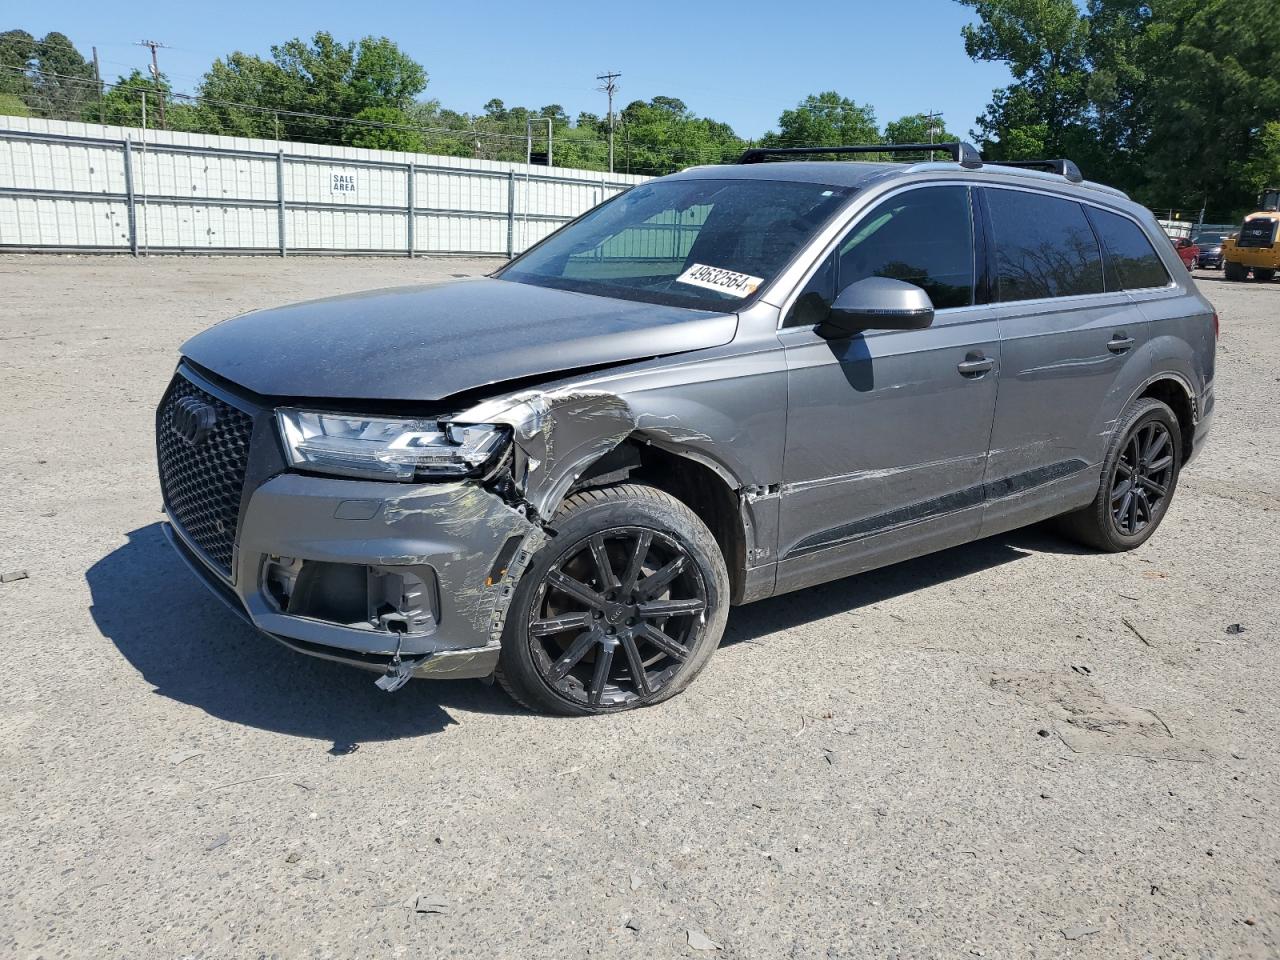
[{"x": 722, "y": 385}]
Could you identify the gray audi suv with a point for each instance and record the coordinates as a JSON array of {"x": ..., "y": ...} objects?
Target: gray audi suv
[{"x": 719, "y": 386}]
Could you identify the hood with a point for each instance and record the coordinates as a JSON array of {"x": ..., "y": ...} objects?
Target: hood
[{"x": 429, "y": 342}]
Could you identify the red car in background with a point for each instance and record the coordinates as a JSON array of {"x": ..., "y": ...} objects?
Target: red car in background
[{"x": 1187, "y": 250}]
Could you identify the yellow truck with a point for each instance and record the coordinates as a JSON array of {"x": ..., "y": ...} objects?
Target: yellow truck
[{"x": 1256, "y": 245}]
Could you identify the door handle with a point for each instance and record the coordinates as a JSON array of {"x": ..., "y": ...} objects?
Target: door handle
[
  {"x": 975, "y": 365},
  {"x": 1119, "y": 343}
]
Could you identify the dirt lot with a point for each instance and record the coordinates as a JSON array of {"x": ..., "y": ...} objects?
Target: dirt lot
[{"x": 1012, "y": 749}]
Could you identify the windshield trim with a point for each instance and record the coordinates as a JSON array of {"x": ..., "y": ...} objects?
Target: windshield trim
[{"x": 849, "y": 193}]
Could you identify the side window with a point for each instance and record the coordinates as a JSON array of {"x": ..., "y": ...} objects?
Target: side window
[
  {"x": 1044, "y": 246},
  {"x": 814, "y": 302},
  {"x": 923, "y": 236},
  {"x": 1136, "y": 262}
]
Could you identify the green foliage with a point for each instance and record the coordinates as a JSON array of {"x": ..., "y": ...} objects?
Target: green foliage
[
  {"x": 1171, "y": 100},
  {"x": 824, "y": 120},
  {"x": 322, "y": 76},
  {"x": 17, "y": 57},
  {"x": 394, "y": 136},
  {"x": 1263, "y": 169},
  {"x": 12, "y": 105},
  {"x": 48, "y": 77},
  {"x": 122, "y": 104}
]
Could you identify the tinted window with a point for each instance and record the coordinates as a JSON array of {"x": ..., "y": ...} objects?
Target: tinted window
[
  {"x": 707, "y": 244},
  {"x": 1132, "y": 256},
  {"x": 813, "y": 304},
  {"x": 1044, "y": 247},
  {"x": 922, "y": 236}
]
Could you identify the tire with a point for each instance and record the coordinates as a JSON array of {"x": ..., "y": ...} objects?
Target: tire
[
  {"x": 1234, "y": 271},
  {"x": 650, "y": 625},
  {"x": 1141, "y": 429},
  {"x": 1263, "y": 276}
]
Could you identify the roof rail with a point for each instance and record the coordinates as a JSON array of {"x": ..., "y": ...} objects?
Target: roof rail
[
  {"x": 1063, "y": 168},
  {"x": 963, "y": 153}
]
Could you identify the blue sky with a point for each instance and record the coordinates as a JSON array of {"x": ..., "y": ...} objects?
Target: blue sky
[{"x": 741, "y": 62}]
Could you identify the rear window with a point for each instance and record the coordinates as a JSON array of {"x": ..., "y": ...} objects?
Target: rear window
[
  {"x": 1260, "y": 232},
  {"x": 1134, "y": 259},
  {"x": 1044, "y": 247}
]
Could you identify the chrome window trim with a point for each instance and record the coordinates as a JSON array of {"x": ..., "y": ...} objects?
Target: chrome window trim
[{"x": 862, "y": 203}]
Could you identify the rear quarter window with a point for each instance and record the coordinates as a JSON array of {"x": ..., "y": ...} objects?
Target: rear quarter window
[
  {"x": 1044, "y": 247},
  {"x": 1134, "y": 259}
]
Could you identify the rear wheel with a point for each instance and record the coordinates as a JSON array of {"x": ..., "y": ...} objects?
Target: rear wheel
[
  {"x": 1139, "y": 476},
  {"x": 621, "y": 609},
  {"x": 1265, "y": 276},
  {"x": 1234, "y": 271}
]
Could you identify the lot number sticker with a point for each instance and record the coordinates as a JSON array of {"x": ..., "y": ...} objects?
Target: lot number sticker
[
  {"x": 717, "y": 278},
  {"x": 344, "y": 183}
]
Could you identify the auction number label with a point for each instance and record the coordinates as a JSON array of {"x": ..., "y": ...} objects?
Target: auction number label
[{"x": 717, "y": 278}]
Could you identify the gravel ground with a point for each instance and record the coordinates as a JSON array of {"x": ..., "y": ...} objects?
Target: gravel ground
[{"x": 880, "y": 767}]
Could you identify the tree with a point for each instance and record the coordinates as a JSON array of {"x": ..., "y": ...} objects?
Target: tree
[
  {"x": 323, "y": 76},
  {"x": 662, "y": 135},
  {"x": 824, "y": 120},
  {"x": 46, "y": 77},
  {"x": 1170, "y": 100},
  {"x": 1263, "y": 169},
  {"x": 917, "y": 128},
  {"x": 395, "y": 136},
  {"x": 17, "y": 58},
  {"x": 122, "y": 104},
  {"x": 1044, "y": 44},
  {"x": 1217, "y": 90}
]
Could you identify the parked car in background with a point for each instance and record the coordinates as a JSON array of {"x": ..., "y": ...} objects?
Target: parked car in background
[
  {"x": 721, "y": 385},
  {"x": 1209, "y": 256},
  {"x": 1187, "y": 250}
]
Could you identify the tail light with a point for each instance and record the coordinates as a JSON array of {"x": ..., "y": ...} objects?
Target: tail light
[{"x": 1215, "y": 324}]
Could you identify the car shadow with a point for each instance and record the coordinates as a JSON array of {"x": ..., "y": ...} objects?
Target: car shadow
[
  {"x": 190, "y": 648},
  {"x": 790, "y": 610}
]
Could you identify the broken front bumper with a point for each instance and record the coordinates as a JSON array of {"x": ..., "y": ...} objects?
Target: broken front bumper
[{"x": 363, "y": 572}]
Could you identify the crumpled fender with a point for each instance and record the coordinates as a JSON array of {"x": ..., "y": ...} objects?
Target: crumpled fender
[{"x": 556, "y": 435}]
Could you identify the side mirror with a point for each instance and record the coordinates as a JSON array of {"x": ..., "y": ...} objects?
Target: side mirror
[{"x": 879, "y": 303}]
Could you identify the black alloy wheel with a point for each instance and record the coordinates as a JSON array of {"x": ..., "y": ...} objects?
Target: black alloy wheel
[
  {"x": 1142, "y": 478},
  {"x": 616, "y": 618},
  {"x": 1138, "y": 479}
]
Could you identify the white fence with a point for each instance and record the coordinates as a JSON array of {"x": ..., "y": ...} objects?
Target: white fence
[{"x": 79, "y": 187}]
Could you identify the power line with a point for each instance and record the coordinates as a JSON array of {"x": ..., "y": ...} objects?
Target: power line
[{"x": 321, "y": 127}]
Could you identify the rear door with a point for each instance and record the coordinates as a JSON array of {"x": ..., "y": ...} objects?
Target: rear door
[
  {"x": 1068, "y": 333},
  {"x": 887, "y": 430}
]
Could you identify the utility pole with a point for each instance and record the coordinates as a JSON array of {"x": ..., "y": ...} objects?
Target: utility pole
[
  {"x": 933, "y": 116},
  {"x": 610, "y": 87},
  {"x": 155, "y": 75},
  {"x": 97, "y": 77}
]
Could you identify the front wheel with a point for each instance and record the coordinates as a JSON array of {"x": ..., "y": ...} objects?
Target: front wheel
[
  {"x": 622, "y": 608},
  {"x": 1139, "y": 476},
  {"x": 1263, "y": 276},
  {"x": 1234, "y": 271}
]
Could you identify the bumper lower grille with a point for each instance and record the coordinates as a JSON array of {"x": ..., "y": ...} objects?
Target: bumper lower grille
[{"x": 202, "y": 444}]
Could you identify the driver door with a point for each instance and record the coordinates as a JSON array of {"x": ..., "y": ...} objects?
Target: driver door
[{"x": 888, "y": 431}]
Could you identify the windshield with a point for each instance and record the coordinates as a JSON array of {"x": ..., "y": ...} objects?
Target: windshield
[
  {"x": 706, "y": 244},
  {"x": 1208, "y": 239}
]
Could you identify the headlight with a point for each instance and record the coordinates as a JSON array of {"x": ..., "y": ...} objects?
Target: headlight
[{"x": 385, "y": 448}]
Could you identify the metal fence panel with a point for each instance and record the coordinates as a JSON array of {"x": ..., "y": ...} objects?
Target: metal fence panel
[
  {"x": 54, "y": 223},
  {"x": 76, "y": 186}
]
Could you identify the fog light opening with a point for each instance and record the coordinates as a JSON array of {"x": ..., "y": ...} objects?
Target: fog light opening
[{"x": 385, "y": 599}]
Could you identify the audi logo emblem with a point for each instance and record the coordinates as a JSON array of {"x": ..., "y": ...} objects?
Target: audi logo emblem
[{"x": 192, "y": 419}]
